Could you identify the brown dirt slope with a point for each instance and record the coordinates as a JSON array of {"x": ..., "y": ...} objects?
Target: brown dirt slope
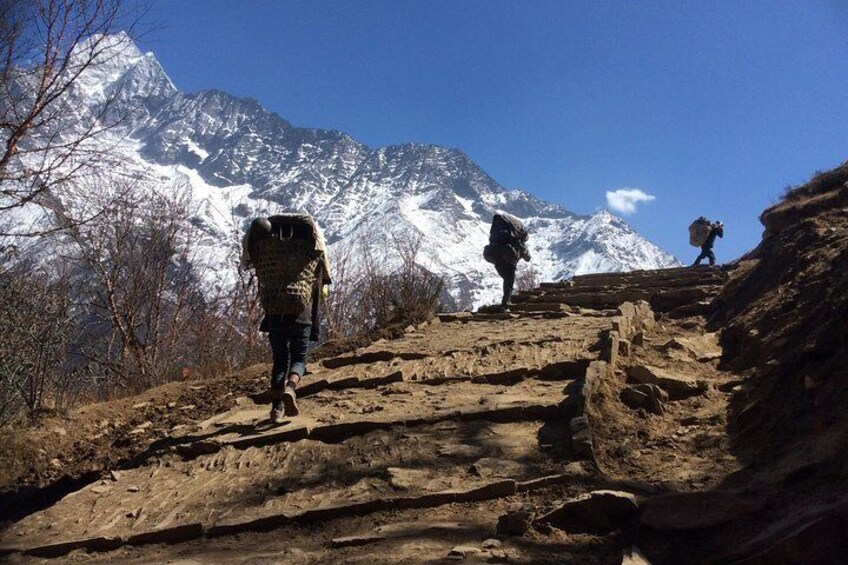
[
  {"x": 785, "y": 318},
  {"x": 784, "y": 314},
  {"x": 44, "y": 460}
]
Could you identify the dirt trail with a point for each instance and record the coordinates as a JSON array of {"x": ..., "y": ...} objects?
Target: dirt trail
[{"x": 414, "y": 449}]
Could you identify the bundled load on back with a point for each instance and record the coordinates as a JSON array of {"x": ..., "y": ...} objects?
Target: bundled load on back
[
  {"x": 288, "y": 253},
  {"x": 699, "y": 231},
  {"x": 507, "y": 240}
]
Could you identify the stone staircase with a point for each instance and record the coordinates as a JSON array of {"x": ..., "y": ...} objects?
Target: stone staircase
[
  {"x": 440, "y": 425},
  {"x": 683, "y": 291}
]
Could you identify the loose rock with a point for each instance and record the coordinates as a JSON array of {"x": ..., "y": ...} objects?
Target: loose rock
[
  {"x": 491, "y": 543},
  {"x": 515, "y": 522}
]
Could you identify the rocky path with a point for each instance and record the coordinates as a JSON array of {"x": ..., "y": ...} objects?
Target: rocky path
[{"x": 443, "y": 444}]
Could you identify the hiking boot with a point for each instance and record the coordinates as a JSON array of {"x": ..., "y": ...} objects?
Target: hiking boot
[
  {"x": 290, "y": 401},
  {"x": 277, "y": 412}
]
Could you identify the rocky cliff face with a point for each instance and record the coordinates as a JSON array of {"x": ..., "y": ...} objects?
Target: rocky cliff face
[{"x": 240, "y": 160}]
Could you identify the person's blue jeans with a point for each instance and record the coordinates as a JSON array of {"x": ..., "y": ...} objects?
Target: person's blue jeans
[
  {"x": 706, "y": 253},
  {"x": 289, "y": 344}
]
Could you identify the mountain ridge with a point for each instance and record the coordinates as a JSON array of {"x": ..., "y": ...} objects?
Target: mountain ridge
[{"x": 251, "y": 160}]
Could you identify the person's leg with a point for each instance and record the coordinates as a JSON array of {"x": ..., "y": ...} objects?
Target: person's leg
[
  {"x": 507, "y": 273},
  {"x": 702, "y": 256},
  {"x": 279, "y": 370},
  {"x": 281, "y": 357},
  {"x": 508, "y": 285},
  {"x": 298, "y": 345},
  {"x": 711, "y": 257}
]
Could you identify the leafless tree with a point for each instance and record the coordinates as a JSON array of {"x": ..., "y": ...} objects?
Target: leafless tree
[
  {"x": 378, "y": 285},
  {"x": 36, "y": 330},
  {"x": 46, "y": 46},
  {"x": 527, "y": 278},
  {"x": 341, "y": 314},
  {"x": 226, "y": 335},
  {"x": 139, "y": 289}
]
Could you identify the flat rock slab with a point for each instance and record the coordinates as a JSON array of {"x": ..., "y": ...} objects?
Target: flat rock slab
[
  {"x": 701, "y": 348},
  {"x": 678, "y": 386}
]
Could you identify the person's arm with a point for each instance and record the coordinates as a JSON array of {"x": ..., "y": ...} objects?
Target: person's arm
[{"x": 315, "y": 333}]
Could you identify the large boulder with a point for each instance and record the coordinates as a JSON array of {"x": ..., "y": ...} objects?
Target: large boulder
[{"x": 597, "y": 512}]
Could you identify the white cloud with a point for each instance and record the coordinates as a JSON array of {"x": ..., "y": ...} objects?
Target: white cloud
[{"x": 624, "y": 200}]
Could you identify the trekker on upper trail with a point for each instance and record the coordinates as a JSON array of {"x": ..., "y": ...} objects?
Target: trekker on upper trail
[
  {"x": 507, "y": 246},
  {"x": 289, "y": 256},
  {"x": 715, "y": 230}
]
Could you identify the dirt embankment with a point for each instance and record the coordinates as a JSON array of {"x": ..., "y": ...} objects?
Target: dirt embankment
[
  {"x": 44, "y": 460},
  {"x": 785, "y": 318}
]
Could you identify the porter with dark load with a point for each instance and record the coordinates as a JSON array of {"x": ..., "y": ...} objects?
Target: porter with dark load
[
  {"x": 507, "y": 246},
  {"x": 702, "y": 233},
  {"x": 289, "y": 256}
]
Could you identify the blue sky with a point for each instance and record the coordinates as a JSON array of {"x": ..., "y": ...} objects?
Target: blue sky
[{"x": 711, "y": 107}]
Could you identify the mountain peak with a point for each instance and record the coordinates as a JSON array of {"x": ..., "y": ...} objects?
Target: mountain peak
[{"x": 241, "y": 160}]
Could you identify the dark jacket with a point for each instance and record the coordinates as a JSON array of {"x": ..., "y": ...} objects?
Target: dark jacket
[{"x": 715, "y": 231}]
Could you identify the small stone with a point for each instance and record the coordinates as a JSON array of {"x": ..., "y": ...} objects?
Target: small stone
[
  {"x": 101, "y": 489},
  {"x": 60, "y": 431},
  {"x": 115, "y": 475},
  {"x": 56, "y": 463},
  {"x": 171, "y": 405},
  {"x": 188, "y": 407},
  {"x": 132, "y": 488},
  {"x": 491, "y": 543},
  {"x": 141, "y": 405}
]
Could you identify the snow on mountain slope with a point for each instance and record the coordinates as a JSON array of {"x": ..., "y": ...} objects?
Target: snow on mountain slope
[{"x": 241, "y": 160}]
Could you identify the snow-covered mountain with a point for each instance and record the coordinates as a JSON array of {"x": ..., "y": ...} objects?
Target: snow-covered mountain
[{"x": 241, "y": 160}]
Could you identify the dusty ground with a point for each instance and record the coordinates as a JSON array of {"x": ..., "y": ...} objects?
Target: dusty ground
[{"x": 414, "y": 446}]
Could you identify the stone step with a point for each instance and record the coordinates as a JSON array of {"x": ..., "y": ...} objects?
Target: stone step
[
  {"x": 669, "y": 277},
  {"x": 330, "y": 419},
  {"x": 533, "y": 306},
  {"x": 661, "y": 300},
  {"x": 265, "y": 488}
]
